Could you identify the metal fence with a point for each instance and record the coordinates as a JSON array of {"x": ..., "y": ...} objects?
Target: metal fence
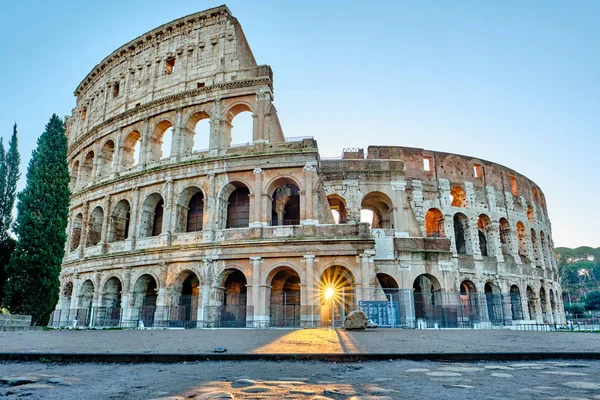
[{"x": 388, "y": 308}]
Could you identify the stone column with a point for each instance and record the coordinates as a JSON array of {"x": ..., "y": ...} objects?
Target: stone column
[
  {"x": 401, "y": 210},
  {"x": 161, "y": 299},
  {"x": 177, "y": 140},
  {"x": 496, "y": 244},
  {"x": 96, "y": 297},
  {"x": 308, "y": 210},
  {"x": 211, "y": 213},
  {"x": 116, "y": 164},
  {"x": 168, "y": 230},
  {"x": 74, "y": 296},
  {"x": 256, "y": 216},
  {"x": 133, "y": 220},
  {"x": 104, "y": 235},
  {"x": 366, "y": 266},
  {"x": 125, "y": 296},
  {"x": 145, "y": 145},
  {"x": 308, "y": 300},
  {"x": 203, "y": 317},
  {"x": 256, "y": 297},
  {"x": 84, "y": 229},
  {"x": 474, "y": 234}
]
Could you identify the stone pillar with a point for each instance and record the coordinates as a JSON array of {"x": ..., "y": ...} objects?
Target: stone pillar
[
  {"x": 256, "y": 290},
  {"x": 177, "y": 140},
  {"x": 168, "y": 228},
  {"x": 97, "y": 278},
  {"x": 74, "y": 296},
  {"x": 94, "y": 173},
  {"x": 104, "y": 235},
  {"x": 310, "y": 294},
  {"x": 125, "y": 296},
  {"x": 116, "y": 164},
  {"x": 211, "y": 212},
  {"x": 496, "y": 244},
  {"x": 307, "y": 212},
  {"x": 145, "y": 145},
  {"x": 366, "y": 266},
  {"x": 401, "y": 210},
  {"x": 473, "y": 232},
  {"x": 161, "y": 300},
  {"x": 257, "y": 214},
  {"x": 133, "y": 220},
  {"x": 84, "y": 229}
]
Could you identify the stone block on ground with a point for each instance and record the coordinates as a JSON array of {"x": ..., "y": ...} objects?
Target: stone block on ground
[{"x": 356, "y": 320}]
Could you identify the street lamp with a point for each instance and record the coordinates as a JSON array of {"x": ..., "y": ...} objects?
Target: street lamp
[{"x": 329, "y": 292}]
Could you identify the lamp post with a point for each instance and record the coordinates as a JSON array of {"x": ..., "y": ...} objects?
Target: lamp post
[{"x": 329, "y": 291}]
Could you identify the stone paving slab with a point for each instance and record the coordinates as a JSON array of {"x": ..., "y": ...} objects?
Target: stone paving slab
[{"x": 296, "y": 342}]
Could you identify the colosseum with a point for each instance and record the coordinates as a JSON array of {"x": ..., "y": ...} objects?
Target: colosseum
[{"x": 173, "y": 225}]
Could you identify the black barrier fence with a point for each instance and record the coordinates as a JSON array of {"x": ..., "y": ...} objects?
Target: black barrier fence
[{"x": 386, "y": 308}]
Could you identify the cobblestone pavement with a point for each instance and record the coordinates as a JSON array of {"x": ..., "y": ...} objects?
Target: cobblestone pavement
[
  {"x": 303, "y": 380},
  {"x": 263, "y": 341}
]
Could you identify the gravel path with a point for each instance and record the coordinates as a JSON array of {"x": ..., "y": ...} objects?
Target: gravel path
[{"x": 244, "y": 341}]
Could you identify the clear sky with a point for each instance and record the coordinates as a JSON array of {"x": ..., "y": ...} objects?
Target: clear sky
[{"x": 512, "y": 81}]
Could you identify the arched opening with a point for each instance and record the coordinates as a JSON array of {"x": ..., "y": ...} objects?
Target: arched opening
[
  {"x": 190, "y": 210},
  {"x": 285, "y": 206},
  {"x": 535, "y": 246},
  {"x": 77, "y": 226},
  {"x": 337, "y": 295},
  {"x": 462, "y": 237},
  {"x": 85, "y": 300},
  {"x": 522, "y": 239},
  {"x": 468, "y": 300},
  {"x": 530, "y": 214},
  {"x": 160, "y": 141},
  {"x": 458, "y": 197},
  {"x": 196, "y": 134},
  {"x": 544, "y": 303},
  {"x": 241, "y": 130},
  {"x": 504, "y": 236},
  {"x": 233, "y": 308},
  {"x": 74, "y": 174},
  {"x": 119, "y": 225},
  {"x": 185, "y": 300},
  {"x": 338, "y": 208},
  {"x": 495, "y": 303},
  {"x": 95, "y": 227},
  {"x": 382, "y": 208},
  {"x": 144, "y": 295},
  {"x": 485, "y": 231},
  {"x": 152, "y": 216},
  {"x": 238, "y": 206},
  {"x": 434, "y": 223},
  {"x": 105, "y": 158},
  {"x": 516, "y": 305},
  {"x": 427, "y": 299},
  {"x": 111, "y": 302},
  {"x": 285, "y": 299},
  {"x": 130, "y": 150},
  {"x": 85, "y": 172},
  {"x": 531, "y": 303},
  {"x": 390, "y": 314}
]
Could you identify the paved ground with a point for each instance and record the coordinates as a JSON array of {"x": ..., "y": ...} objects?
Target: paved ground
[
  {"x": 302, "y": 380},
  {"x": 245, "y": 341}
]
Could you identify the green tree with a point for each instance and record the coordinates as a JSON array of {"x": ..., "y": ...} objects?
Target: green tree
[
  {"x": 32, "y": 285},
  {"x": 592, "y": 300},
  {"x": 12, "y": 174}
]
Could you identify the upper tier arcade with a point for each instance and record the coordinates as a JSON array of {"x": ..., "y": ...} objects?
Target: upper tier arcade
[{"x": 201, "y": 58}]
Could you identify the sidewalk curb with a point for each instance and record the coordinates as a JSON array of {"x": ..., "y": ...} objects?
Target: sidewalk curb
[{"x": 328, "y": 357}]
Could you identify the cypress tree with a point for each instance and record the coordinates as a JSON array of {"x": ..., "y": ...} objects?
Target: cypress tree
[
  {"x": 2, "y": 187},
  {"x": 32, "y": 285},
  {"x": 13, "y": 160}
]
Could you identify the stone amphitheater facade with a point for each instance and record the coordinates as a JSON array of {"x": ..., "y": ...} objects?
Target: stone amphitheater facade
[{"x": 254, "y": 234}]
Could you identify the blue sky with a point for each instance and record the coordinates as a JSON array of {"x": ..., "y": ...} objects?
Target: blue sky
[{"x": 516, "y": 82}]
